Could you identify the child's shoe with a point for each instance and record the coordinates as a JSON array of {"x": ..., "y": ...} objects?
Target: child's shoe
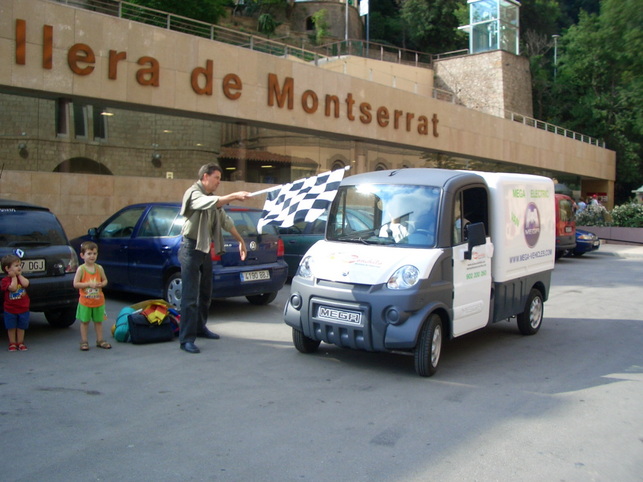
[
  {"x": 13, "y": 347},
  {"x": 22, "y": 347}
]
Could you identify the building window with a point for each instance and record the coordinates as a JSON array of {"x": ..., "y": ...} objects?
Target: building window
[
  {"x": 494, "y": 25},
  {"x": 337, "y": 164},
  {"x": 100, "y": 115},
  {"x": 62, "y": 117},
  {"x": 80, "y": 120}
]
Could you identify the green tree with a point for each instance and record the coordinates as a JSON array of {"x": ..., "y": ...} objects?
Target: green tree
[
  {"x": 432, "y": 25},
  {"x": 320, "y": 20},
  {"x": 599, "y": 86},
  {"x": 385, "y": 24},
  {"x": 540, "y": 16},
  {"x": 267, "y": 24},
  {"x": 205, "y": 10}
]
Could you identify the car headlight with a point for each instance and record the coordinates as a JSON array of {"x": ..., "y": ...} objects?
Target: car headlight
[
  {"x": 404, "y": 278},
  {"x": 586, "y": 237},
  {"x": 305, "y": 268}
]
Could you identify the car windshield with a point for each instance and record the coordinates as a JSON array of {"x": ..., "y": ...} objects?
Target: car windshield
[
  {"x": 400, "y": 215},
  {"x": 30, "y": 228},
  {"x": 565, "y": 210}
]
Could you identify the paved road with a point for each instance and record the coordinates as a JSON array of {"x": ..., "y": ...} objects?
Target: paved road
[{"x": 566, "y": 404}]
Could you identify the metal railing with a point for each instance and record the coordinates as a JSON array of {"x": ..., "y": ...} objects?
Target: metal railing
[
  {"x": 177, "y": 23},
  {"x": 561, "y": 131},
  {"x": 376, "y": 51},
  {"x": 361, "y": 48}
]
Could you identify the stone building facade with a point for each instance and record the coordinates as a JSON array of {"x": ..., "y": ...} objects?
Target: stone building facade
[{"x": 97, "y": 112}]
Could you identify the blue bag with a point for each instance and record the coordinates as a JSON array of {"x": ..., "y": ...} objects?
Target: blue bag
[{"x": 120, "y": 330}]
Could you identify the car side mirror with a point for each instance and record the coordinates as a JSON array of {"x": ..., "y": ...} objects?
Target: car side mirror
[
  {"x": 477, "y": 237},
  {"x": 93, "y": 232}
]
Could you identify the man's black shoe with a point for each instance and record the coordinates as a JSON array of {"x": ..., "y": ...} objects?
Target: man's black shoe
[
  {"x": 208, "y": 334},
  {"x": 190, "y": 347}
]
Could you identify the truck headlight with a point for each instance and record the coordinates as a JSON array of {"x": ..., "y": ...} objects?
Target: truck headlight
[
  {"x": 404, "y": 278},
  {"x": 305, "y": 270}
]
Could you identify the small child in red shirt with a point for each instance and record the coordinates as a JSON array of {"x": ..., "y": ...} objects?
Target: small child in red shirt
[{"x": 16, "y": 302}]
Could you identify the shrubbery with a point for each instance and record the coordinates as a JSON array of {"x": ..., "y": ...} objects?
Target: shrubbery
[{"x": 626, "y": 215}]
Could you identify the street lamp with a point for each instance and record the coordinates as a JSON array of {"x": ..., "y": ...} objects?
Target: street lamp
[{"x": 555, "y": 37}]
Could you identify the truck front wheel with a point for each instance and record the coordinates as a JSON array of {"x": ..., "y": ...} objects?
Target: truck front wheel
[
  {"x": 529, "y": 321},
  {"x": 429, "y": 347},
  {"x": 303, "y": 343}
]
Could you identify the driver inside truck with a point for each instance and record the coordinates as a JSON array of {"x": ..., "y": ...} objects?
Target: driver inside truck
[{"x": 396, "y": 215}]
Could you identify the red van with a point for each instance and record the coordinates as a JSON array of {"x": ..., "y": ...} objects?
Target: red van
[{"x": 565, "y": 224}]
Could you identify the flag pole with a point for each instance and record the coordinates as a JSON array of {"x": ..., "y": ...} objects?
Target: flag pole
[
  {"x": 274, "y": 188},
  {"x": 263, "y": 191}
]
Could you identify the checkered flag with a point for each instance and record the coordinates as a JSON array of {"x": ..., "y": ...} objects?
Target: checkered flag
[{"x": 302, "y": 200}]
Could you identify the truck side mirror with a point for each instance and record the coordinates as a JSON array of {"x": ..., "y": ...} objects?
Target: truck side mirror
[{"x": 477, "y": 237}]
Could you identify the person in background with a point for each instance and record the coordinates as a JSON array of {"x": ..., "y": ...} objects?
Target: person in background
[
  {"x": 205, "y": 220},
  {"x": 16, "y": 302},
  {"x": 90, "y": 280}
]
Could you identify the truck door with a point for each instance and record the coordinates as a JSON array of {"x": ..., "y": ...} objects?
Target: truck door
[{"x": 471, "y": 277}]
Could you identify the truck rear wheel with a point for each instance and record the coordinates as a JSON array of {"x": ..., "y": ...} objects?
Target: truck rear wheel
[
  {"x": 303, "y": 343},
  {"x": 529, "y": 321},
  {"x": 429, "y": 347}
]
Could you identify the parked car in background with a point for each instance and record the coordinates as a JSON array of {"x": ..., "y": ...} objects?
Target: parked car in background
[
  {"x": 298, "y": 239},
  {"x": 585, "y": 243},
  {"x": 35, "y": 235},
  {"x": 565, "y": 224},
  {"x": 301, "y": 236},
  {"x": 138, "y": 248}
]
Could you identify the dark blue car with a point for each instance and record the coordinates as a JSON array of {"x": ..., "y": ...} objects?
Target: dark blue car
[
  {"x": 138, "y": 247},
  {"x": 585, "y": 242}
]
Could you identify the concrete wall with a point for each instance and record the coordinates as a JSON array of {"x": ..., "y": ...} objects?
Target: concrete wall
[
  {"x": 83, "y": 201},
  {"x": 160, "y": 73},
  {"x": 411, "y": 79},
  {"x": 490, "y": 82},
  {"x": 336, "y": 18}
]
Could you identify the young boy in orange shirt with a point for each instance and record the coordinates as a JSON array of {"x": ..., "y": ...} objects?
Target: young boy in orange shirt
[{"x": 89, "y": 280}]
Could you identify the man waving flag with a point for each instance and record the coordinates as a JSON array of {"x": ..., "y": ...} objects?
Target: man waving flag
[{"x": 301, "y": 200}]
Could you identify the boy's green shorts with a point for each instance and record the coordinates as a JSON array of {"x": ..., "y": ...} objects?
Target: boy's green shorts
[{"x": 86, "y": 314}]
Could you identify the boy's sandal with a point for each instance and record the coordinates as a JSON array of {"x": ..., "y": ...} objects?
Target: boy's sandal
[
  {"x": 84, "y": 346},
  {"x": 13, "y": 347},
  {"x": 22, "y": 347},
  {"x": 103, "y": 344}
]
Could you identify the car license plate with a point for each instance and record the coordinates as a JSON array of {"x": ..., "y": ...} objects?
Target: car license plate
[
  {"x": 32, "y": 265},
  {"x": 339, "y": 315},
  {"x": 568, "y": 229},
  {"x": 255, "y": 275}
]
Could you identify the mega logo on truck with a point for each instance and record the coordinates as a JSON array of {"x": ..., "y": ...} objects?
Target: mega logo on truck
[{"x": 444, "y": 253}]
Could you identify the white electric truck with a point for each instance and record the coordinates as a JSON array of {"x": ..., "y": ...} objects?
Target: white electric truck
[{"x": 445, "y": 253}]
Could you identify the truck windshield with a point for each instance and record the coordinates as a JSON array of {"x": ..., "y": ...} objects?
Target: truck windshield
[{"x": 399, "y": 215}]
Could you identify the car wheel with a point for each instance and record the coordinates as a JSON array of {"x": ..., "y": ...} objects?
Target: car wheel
[
  {"x": 303, "y": 343},
  {"x": 62, "y": 317},
  {"x": 529, "y": 321},
  {"x": 262, "y": 299},
  {"x": 429, "y": 347},
  {"x": 173, "y": 290}
]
